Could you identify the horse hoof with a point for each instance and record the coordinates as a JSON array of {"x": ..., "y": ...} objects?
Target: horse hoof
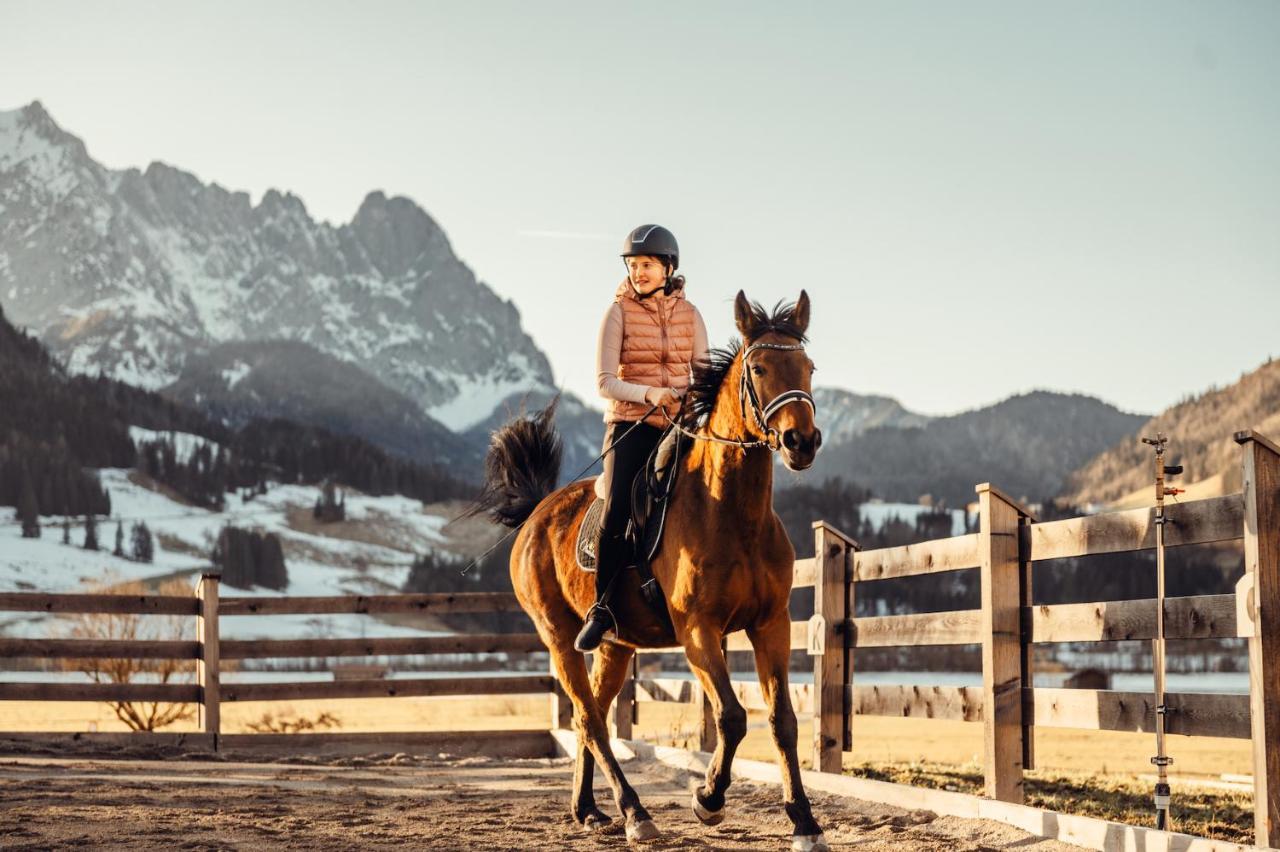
[
  {"x": 705, "y": 816},
  {"x": 809, "y": 843},
  {"x": 641, "y": 831}
]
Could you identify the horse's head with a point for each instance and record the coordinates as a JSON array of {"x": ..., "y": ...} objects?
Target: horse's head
[{"x": 775, "y": 391}]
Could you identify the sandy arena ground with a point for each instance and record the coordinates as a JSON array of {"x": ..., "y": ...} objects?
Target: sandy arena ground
[{"x": 416, "y": 802}]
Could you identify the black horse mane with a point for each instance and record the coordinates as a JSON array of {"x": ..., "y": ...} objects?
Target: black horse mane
[{"x": 709, "y": 374}]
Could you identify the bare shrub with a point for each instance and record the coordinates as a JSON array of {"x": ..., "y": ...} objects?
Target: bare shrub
[
  {"x": 138, "y": 715},
  {"x": 289, "y": 722}
]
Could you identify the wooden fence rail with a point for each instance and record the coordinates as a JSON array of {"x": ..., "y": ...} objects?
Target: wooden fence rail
[{"x": 424, "y": 604}]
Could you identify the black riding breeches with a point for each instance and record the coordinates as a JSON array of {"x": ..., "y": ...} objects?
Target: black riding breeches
[{"x": 621, "y": 467}]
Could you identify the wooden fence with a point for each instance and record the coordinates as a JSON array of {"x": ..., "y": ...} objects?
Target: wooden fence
[
  {"x": 1007, "y": 626},
  {"x": 209, "y": 650}
]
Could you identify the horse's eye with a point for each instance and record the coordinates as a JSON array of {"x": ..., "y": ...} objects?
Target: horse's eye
[{"x": 759, "y": 371}]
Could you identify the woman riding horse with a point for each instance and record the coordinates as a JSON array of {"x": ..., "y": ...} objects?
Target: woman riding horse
[
  {"x": 650, "y": 337},
  {"x": 725, "y": 562}
]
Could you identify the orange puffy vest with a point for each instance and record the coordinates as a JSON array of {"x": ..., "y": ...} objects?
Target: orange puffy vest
[{"x": 657, "y": 347}]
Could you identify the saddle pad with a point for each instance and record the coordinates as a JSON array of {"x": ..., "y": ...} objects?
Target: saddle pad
[{"x": 589, "y": 535}]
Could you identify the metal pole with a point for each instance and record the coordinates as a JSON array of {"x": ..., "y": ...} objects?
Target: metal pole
[{"x": 1161, "y": 760}]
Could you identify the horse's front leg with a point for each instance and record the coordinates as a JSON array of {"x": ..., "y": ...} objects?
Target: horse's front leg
[
  {"x": 706, "y": 657},
  {"x": 608, "y": 673},
  {"x": 772, "y": 644}
]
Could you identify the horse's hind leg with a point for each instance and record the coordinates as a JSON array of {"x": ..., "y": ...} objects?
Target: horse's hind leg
[
  {"x": 772, "y": 644},
  {"x": 706, "y": 658},
  {"x": 608, "y": 673},
  {"x": 588, "y": 719}
]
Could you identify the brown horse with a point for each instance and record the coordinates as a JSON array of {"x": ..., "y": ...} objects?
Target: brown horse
[{"x": 725, "y": 562}]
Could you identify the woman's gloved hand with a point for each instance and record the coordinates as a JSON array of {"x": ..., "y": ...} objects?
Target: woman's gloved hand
[{"x": 661, "y": 396}]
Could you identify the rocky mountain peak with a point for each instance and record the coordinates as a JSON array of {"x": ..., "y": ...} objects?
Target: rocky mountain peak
[
  {"x": 35, "y": 119},
  {"x": 32, "y": 143},
  {"x": 399, "y": 236},
  {"x": 276, "y": 203}
]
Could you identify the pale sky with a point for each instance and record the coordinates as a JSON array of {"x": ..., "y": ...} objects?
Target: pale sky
[{"x": 981, "y": 198}]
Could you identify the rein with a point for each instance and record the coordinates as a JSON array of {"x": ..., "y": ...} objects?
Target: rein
[{"x": 747, "y": 393}]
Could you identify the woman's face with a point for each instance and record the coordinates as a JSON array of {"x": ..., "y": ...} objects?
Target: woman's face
[{"x": 647, "y": 273}]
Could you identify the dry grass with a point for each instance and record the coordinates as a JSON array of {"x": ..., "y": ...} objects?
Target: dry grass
[
  {"x": 356, "y": 714},
  {"x": 1219, "y": 814},
  {"x": 381, "y": 532},
  {"x": 140, "y": 479},
  {"x": 173, "y": 544}
]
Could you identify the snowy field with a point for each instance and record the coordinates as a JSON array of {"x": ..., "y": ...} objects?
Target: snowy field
[
  {"x": 318, "y": 563},
  {"x": 878, "y": 513}
]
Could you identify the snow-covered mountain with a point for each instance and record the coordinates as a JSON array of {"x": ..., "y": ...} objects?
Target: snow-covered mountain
[
  {"x": 844, "y": 415},
  {"x": 129, "y": 272}
]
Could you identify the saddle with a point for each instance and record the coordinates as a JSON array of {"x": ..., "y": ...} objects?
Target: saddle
[{"x": 649, "y": 490}]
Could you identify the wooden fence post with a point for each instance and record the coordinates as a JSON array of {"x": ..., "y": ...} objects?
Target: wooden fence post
[
  {"x": 207, "y": 664},
  {"x": 828, "y": 644},
  {"x": 1261, "y": 463},
  {"x": 1002, "y": 643}
]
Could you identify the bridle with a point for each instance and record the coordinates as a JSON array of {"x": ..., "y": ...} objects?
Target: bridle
[{"x": 747, "y": 394}]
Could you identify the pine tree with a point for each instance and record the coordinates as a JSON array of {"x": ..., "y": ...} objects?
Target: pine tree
[
  {"x": 233, "y": 553},
  {"x": 28, "y": 511},
  {"x": 66, "y": 531},
  {"x": 90, "y": 532},
  {"x": 142, "y": 546},
  {"x": 47, "y": 499},
  {"x": 119, "y": 551},
  {"x": 271, "y": 568}
]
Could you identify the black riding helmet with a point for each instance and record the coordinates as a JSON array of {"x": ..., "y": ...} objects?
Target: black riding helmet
[{"x": 653, "y": 240}]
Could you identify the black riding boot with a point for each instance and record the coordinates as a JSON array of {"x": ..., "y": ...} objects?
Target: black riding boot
[{"x": 599, "y": 620}]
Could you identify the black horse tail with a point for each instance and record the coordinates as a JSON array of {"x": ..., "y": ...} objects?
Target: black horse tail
[{"x": 520, "y": 468}]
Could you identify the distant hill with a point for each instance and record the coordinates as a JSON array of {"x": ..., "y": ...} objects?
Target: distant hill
[
  {"x": 53, "y": 426},
  {"x": 845, "y": 414},
  {"x": 1200, "y": 433},
  {"x": 1026, "y": 444},
  {"x": 239, "y": 382}
]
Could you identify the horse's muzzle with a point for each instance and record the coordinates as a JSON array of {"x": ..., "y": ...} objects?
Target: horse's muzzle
[{"x": 798, "y": 449}]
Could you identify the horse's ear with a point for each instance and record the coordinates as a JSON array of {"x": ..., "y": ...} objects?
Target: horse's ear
[
  {"x": 742, "y": 314},
  {"x": 800, "y": 316}
]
